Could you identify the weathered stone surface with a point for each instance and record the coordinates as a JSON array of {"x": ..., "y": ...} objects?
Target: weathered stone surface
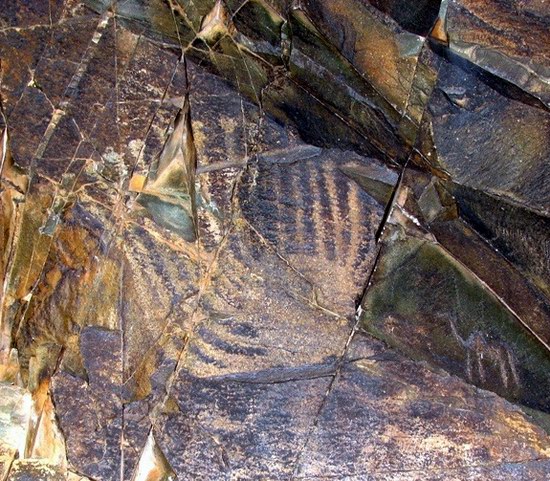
[
  {"x": 240, "y": 428},
  {"x": 274, "y": 70},
  {"x": 90, "y": 412},
  {"x": 504, "y": 38},
  {"x": 413, "y": 422},
  {"x": 499, "y": 175},
  {"x": 7, "y": 456},
  {"x": 504, "y": 154},
  {"x": 195, "y": 198},
  {"x": 518, "y": 233},
  {"x": 475, "y": 333},
  {"x": 418, "y": 17},
  {"x": 318, "y": 219},
  {"x": 15, "y": 409},
  {"x": 529, "y": 304},
  {"x": 31, "y": 470},
  {"x": 386, "y": 57}
]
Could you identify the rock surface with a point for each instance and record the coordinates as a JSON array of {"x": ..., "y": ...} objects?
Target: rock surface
[{"x": 210, "y": 211}]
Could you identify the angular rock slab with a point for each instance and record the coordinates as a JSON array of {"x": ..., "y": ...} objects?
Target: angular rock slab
[
  {"x": 506, "y": 39},
  {"x": 252, "y": 377},
  {"x": 31, "y": 470},
  {"x": 490, "y": 140},
  {"x": 484, "y": 135},
  {"x": 427, "y": 304},
  {"x": 518, "y": 233},
  {"x": 386, "y": 57},
  {"x": 387, "y": 418},
  {"x": 239, "y": 429},
  {"x": 90, "y": 413}
]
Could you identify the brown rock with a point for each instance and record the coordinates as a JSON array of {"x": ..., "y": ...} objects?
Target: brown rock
[{"x": 194, "y": 201}]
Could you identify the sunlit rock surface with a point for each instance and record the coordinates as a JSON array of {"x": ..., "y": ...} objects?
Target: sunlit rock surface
[{"x": 274, "y": 240}]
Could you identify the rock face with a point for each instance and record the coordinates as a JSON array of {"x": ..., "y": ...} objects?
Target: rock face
[{"x": 274, "y": 240}]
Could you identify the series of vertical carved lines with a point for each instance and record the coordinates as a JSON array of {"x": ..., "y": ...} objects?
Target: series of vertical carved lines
[
  {"x": 292, "y": 187},
  {"x": 346, "y": 227},
  {"x": 313, "y": 209},
  {"x": 261, "y": 204},
  {"x": 270, "y": 194},
  {"x": 306, "y": 234},
  {"x": 358, "y": 214},
  {"x": 318, "y": 209},
  {"x": 306, "y": 208},
  {"x": 285, "y": 195},
  {"x": 339, "y": 187},
  {"x": 327, "y": 224}
]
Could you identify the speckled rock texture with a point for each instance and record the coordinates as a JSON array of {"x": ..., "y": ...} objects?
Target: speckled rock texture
[{"x": 274, "y": 240}]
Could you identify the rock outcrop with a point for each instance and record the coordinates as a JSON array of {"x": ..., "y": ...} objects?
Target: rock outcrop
[{"x": 275, "y": 240}]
